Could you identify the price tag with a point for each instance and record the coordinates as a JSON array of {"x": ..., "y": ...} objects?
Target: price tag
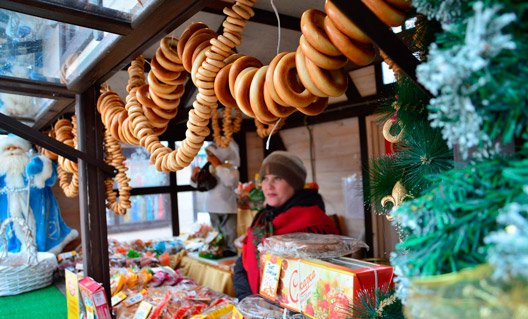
[
  {"x": 120, "y": 296},
  {"x": 270, "y": 277},
  {"x": 143, "y": 310}
]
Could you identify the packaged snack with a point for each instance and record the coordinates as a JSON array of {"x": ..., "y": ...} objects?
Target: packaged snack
[
  {"x": 94, "y": 298},
  {"x": 309, "y": 245},
  {"x": 256, "y": 307}
]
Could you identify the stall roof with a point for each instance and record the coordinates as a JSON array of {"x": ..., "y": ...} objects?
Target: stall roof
[{"x": 55, "y": 49}]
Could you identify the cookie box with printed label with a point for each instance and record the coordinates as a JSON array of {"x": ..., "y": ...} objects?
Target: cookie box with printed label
[
  {"x": 94, "y": 299},
  {"x": 280, "y": 281},
  {"x": 321, "y": 289}
]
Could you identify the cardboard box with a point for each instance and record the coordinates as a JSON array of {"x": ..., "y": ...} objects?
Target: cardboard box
[
  {"x": 321, "y": 289},
  {"x": 329, "y": 289},
  {"x": 94, "y": 299},
  {"x": 280, "y": 281},
  {"x": 72, "y": 294}
]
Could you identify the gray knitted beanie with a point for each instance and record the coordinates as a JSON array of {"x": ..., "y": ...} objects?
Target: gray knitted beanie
[{"x": 286, "y": 165}]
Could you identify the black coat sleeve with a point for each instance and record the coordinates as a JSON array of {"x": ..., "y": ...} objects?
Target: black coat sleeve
[{"x": 241, "y": 283}]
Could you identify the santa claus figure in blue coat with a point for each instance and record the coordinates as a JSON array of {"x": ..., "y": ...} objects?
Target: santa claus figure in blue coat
[{"x": 20, "y": 172}]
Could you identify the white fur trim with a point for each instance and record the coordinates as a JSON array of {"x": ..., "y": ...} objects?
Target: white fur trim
[
  {"x": 11, "y": 139},
  {"x": 39, "y": 180},
  {"x": 58, "y": 248}
]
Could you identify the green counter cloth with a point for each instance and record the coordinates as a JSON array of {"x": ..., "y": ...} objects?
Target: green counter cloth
[{"x": 43, "y": 303}]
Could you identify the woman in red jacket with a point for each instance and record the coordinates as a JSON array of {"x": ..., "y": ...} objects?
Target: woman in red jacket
[{"x": 290, "y": 208}]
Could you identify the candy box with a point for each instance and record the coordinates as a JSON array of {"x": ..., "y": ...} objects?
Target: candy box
[
  {"x": 329, "y": 289},
  {"x": 94, "y": 299},
  {"x": 280, "y": 281},
  {"x": 320, "y": 289}
]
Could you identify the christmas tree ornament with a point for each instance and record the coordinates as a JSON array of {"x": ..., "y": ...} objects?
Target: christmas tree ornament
[
  {"x": 399, "y": 194},
  {"x": 387, "y": 134}
]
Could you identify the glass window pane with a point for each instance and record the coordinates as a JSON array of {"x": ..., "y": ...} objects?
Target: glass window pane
[
  {"x": 191, "y": 210},
  {"x": 22, "y": 107},
  {"x": 46, "y": 50},
  {"x": 141, "y": 171},
  {"x": 388, "y": 74},
  {"x": 147, "y": 211},
  {"x": 410, "y": 23},
  {"x": 186, "y": 215},
  {"x": 183, "y": 177},
  {"x": 124, "y": 9}
]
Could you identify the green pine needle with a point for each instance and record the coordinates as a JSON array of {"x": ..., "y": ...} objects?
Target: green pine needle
[
  {"x": 421, "y": 154},
  {"x": 383, "y": 176},
  {"x": 380, "y": 304},
  {"x": 448, "y": 224}
]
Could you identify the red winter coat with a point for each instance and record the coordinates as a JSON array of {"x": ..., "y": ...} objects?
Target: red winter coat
[{"x": 293, "y": 220}]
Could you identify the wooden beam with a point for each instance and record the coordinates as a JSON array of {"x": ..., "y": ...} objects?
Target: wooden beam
[
  {"x": 157, "y": 21},
  {"x": 261, "y": 16},
  {"x": 92, "y": 194},
  {"x": 34, "y": 88},
  {"x": 51, "y": 144},
  {"x": 175, "y": 210},
  {"x": 79, "y": 13},
  {"x": 334, "y": 112},
  {"x": 363, "y": 146}
]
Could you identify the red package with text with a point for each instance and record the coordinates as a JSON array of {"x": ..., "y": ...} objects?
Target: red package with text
[
  {"x": 280, "y": 281},
  {"x": 317, "y": 288},
  {"x": 94, "y": 298},
  {"x": 329, "y": 289}
]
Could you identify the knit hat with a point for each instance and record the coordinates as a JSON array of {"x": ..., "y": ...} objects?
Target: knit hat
[{"x": 286, "y": 165}]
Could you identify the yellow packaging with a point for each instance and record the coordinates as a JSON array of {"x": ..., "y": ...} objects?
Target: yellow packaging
[
  {"x": 236, "y": 314},
  {"x": 120, "y": 296},
  {"x": 72, "y": 294},
  {"x": 143, "y": 310},
  {"x": 282, "y": 287}
]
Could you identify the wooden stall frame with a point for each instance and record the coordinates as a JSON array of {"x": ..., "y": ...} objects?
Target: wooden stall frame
[{"x": 136, "y": 37}]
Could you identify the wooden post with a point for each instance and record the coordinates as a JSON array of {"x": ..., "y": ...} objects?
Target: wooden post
[{"x": 92, "y": 191}]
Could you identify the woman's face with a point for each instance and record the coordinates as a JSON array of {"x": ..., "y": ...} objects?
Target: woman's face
[{"x": 276, "y": 190}]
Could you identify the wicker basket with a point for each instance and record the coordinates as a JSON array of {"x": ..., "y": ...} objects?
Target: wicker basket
[{"x": 25, "y": 271}]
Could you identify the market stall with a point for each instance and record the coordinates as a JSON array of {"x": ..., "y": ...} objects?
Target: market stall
[{"x": 147, "y": 75}]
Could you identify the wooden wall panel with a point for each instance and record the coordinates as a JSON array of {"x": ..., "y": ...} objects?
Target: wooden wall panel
[
  {"x": 255, "y": 154},
  {"x": 337, "y": 155},
  {"x": 385, "y": 236}
]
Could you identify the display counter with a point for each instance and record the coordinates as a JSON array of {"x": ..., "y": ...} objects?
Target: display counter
[
  {"x": 215, "y": 274},
  {"x": 244, "y": 219}
]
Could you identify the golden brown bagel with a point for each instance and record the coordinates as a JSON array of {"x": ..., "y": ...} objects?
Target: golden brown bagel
[
  {"x": 313, "y": 30},
  {"x": 239, "y": 65},
  {"x": 321, "y": 60},
  {"x": 256, "y": 97},
  {"x": 284, "y": 85},
  {"x": 358, "y": 53},
  {"x": 344, "y": 24}
]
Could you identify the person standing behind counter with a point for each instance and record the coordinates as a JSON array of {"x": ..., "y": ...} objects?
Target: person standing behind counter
[
  {"x": 221, "y": 200},
  {"x": 289, "y": 209}
]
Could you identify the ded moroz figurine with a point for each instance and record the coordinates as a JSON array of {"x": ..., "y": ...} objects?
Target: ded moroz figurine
[{"x": 20, "y": 171}]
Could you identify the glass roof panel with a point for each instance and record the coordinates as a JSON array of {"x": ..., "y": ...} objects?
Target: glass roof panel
[
  {"x": 134, "y": 7},
  {"x": 23, "y": 108},
  {"x": 122, "y": 9},
  {"x": 41, "y": 49}
]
